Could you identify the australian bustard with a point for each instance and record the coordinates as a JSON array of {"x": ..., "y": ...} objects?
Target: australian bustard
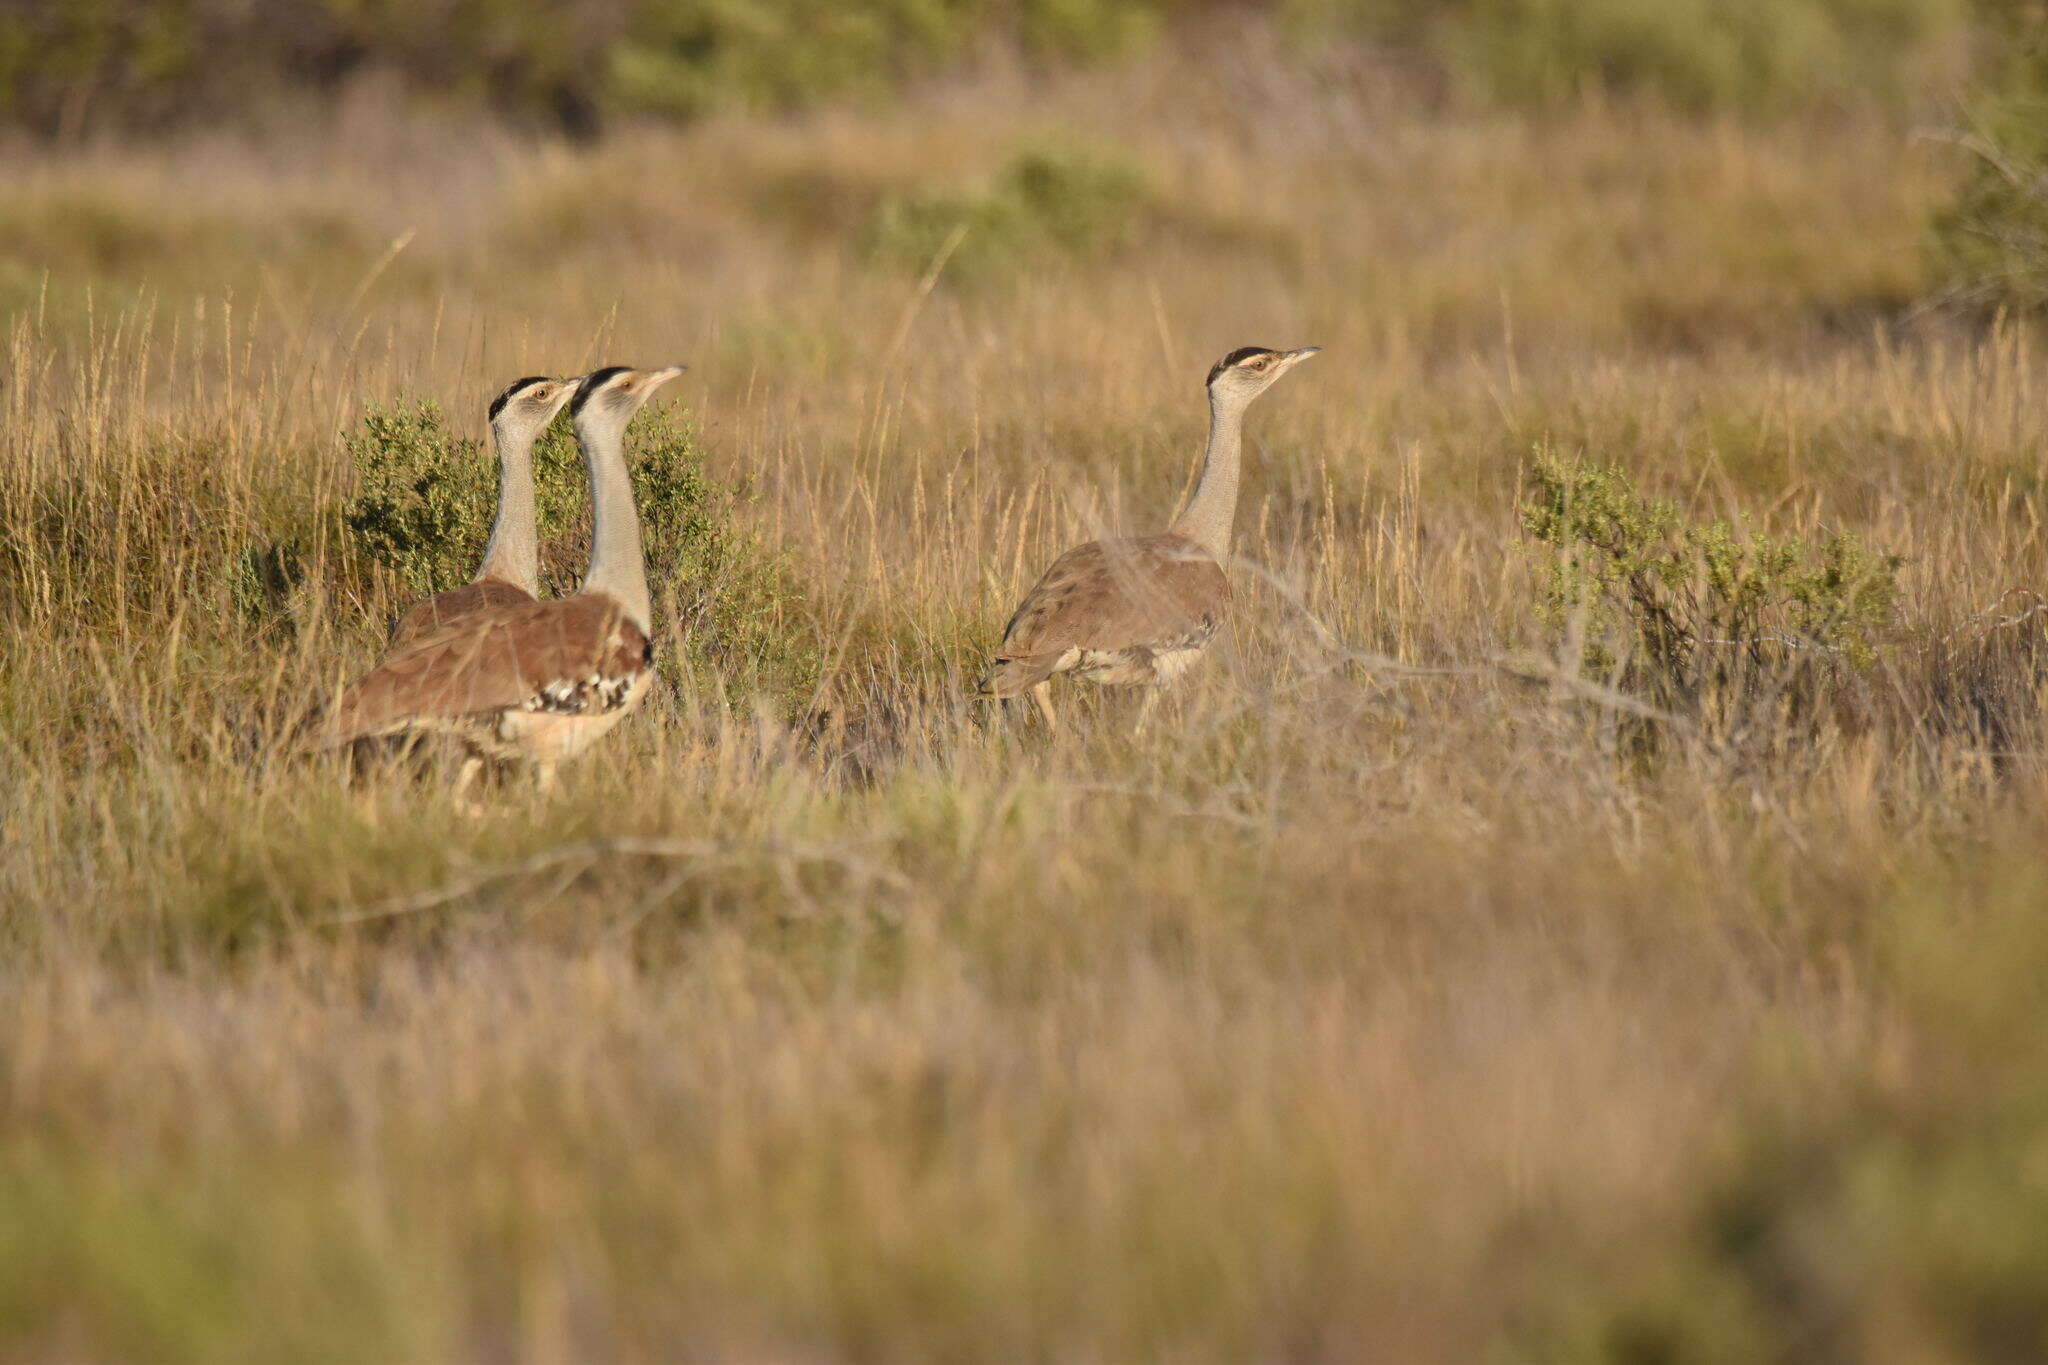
[
  {"x": 536, "y": 681},
  {"x": 510, "y": 573},
  {"x": 1136, "y": 612}
]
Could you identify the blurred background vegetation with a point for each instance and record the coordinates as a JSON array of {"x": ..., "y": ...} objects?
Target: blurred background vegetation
[
  {"x": 77, "y": 63},
  {"x": 1976, "y": 70},
  {"x": 70, "y": 65}
]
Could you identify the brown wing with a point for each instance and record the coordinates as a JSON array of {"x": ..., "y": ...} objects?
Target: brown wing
[
  {"x": 579, "y": 655},
  {"x": 1112, "y": 595},
  {"x": 445, "y": 609}
]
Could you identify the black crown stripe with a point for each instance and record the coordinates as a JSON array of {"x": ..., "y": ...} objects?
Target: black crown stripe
[
  {"x": 1238, "y": 357},
  {"x": 592, "y": 382},
  {"x": 512, "y": 391}
]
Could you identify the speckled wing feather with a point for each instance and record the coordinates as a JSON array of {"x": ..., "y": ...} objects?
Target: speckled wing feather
[
  {"x": 1152, "y": 592},
  {"x": 451, "y": 608},
  {"x": 580, "y": 655}
]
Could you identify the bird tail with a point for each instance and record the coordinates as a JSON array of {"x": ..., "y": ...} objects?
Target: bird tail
[
  {"x": 317, "y": 733},
  {"x": 328, "y": 725}
]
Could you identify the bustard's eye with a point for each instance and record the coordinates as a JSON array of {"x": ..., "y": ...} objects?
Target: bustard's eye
[{"x": 1259, "y": 364}]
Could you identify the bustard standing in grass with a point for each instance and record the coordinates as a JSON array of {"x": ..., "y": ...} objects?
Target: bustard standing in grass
[
  {"x": 1136, "y": 612},
  {"x": 537, "y": 682},
  {"x": 510, "y": 573}
]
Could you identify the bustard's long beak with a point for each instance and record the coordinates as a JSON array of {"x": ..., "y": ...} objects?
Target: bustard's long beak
[
  {"x": 656, "y": 378},
  {"x": 1297, "y": 356}
]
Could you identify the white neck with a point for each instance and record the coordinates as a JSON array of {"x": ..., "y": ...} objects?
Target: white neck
[
  {"x": 513, "y": 554},
  {"x": 1207, "y": 518},
  {"x": 616, "y": 566}
]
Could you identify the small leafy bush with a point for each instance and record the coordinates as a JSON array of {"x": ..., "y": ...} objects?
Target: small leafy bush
[
  {"x": 425, "y": 500},
  {"x": 1700, "y": 616},
  {"x": 742, "y": 610},
  {"x": 1990, "y": 241},
  {"x": 1066, "y": 200}
]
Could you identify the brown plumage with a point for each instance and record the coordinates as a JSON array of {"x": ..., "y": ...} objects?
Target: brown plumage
[
  {"x": 1119, "y": 612},
  {"x": 1136, "y": 612},
  {"x": 445, "y": 609},
  {"x": 538, "y": 681},
  {"x": 532, "y": 681}
]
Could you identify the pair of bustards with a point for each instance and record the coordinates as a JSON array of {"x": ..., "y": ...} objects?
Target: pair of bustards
[{"x": 521, "y": 680}]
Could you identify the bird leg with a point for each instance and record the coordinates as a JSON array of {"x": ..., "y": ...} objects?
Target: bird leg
[
  {"x": 1041, "y": 697},
  {"x": 465, "y": 776}
]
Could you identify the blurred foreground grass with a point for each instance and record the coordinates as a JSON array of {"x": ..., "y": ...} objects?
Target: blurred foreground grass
[{"x": 1350, "y": 1016}]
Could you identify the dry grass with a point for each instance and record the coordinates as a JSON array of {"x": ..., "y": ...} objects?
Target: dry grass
[{"x": 1351, "y": 1016}]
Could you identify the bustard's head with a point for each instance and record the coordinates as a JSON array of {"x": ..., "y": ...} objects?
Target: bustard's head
[
  {"x": 1244, "y": 374},
  {"x": 525, "y": 408},
  {"x": 609, "y": 397}
]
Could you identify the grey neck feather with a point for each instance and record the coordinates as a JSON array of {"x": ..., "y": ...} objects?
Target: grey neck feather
[
  {"x": 514, "y": 552},
  {"x": 616, "y": 566},
  {"x": 1207, "y": 518}
]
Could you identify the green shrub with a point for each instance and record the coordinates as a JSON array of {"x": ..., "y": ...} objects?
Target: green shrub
[
  {"x": 425, "y": 499},
  {"x": 1702, "y": 616},
  {"x": 741, "y": 607},
  {"x": 1708, "y": 56},
  {"x": 140, "y": 63},
  {"x": 1096, "y": 30},
  {"x": 686, "y": 59},
  {"x": 421, "y": 498},
  {"x": 71, "y": 64},
  {"x": 1991, "y": 241},
  {"x": 1063, "y": 200},
  {"x": 1705, "y": 55},
  {"x": 66, "y": 64}
]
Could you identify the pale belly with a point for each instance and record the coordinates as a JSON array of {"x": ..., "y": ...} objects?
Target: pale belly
[
  {"x": 1128, "y": 668},
  {"x": 549, "y": 737}
]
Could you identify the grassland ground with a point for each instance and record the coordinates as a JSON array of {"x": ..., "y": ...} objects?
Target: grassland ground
[{"x": 1357, "y": 1013}]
